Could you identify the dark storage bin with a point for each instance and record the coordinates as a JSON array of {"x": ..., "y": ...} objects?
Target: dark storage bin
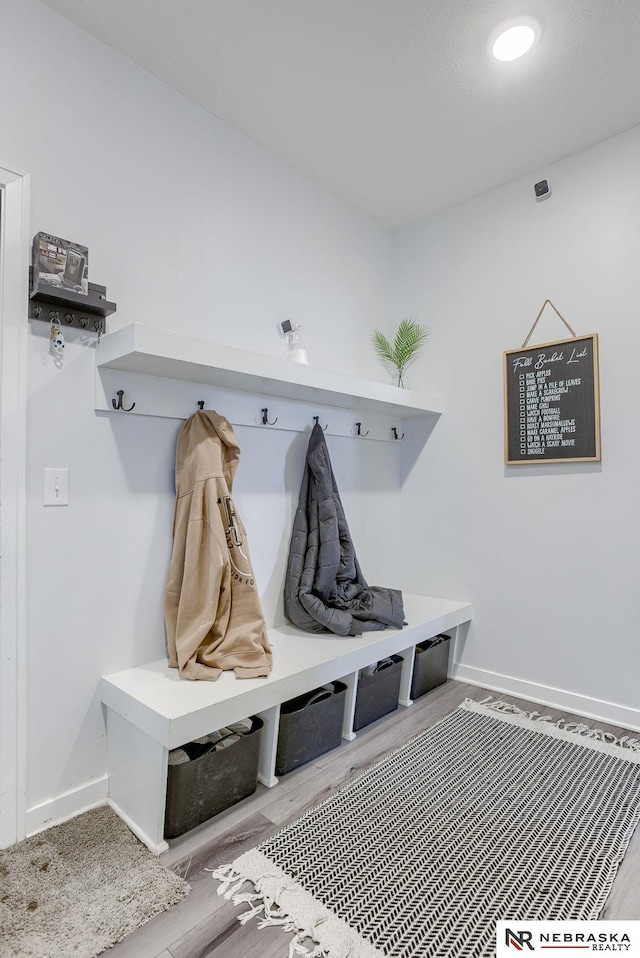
[
  {"x": 378, "y": 694},
  {"x": 430, "y": 667},
  {"x": 199, "y": 789},
  {"x": 310, "y": 725}
]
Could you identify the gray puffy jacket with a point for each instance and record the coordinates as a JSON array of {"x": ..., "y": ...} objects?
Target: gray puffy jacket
[{"x": 325, "y": 590}]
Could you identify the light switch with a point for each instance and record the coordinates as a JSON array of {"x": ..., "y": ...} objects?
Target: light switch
[{"x": 56, "y": 487}]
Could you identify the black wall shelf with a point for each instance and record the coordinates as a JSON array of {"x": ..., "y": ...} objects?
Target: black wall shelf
[{"x": 71, "y": 309}]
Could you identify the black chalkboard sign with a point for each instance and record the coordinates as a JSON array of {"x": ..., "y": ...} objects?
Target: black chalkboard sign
[{"x": 551, "y": 402}]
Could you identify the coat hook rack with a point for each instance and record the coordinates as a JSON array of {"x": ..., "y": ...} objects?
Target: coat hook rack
[
  {"x": 201, "y": 404},
  {"x": 118, "y": 404},
  {"x": 316, "y": 419},
  {"x": 359, "y": 432},
  {"x": 265, "y": 417},
  {"x": 395, "y": 433}
]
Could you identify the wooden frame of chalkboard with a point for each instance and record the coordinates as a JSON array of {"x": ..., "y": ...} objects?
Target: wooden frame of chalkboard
[{"x": 552, "y": 402}]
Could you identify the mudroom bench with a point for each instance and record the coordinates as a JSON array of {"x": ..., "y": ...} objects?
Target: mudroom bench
[{"x": 150, "y": 709}]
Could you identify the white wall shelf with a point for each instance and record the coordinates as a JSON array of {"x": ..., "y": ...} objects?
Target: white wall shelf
[
  {"x": 150, "y": 709},
  {"x": 138, "y": 348}
]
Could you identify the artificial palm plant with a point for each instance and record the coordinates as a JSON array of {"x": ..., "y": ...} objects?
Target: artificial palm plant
[{"x": 409, "y": 338}]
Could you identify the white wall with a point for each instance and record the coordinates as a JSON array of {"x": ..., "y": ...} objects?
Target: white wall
[
  {"x": 191, "y": 227},
  {"x": 547, "y": 554}
]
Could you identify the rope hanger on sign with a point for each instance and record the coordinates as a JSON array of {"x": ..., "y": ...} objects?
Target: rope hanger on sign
[{"x": 547, "y": 301}]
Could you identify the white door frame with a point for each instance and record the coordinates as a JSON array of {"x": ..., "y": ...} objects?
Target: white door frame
[{"x": 14, "y": 277}]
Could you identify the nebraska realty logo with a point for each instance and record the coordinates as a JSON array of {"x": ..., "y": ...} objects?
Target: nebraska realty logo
[{"x": 562, "y": 936}]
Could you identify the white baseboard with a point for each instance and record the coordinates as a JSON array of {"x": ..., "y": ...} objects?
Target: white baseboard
[
  {"x": 66, "y": 806},
  {"x": 608, "y": 712}
]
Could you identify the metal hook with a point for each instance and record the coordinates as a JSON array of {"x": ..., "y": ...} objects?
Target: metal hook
[
  {"x": 265, "y": 420},
  {"x": 395, "y": 433},
  {"x": 118, "y": 405},
  {"x": 359, "y": 433},
  {"x": 316, "y": 419},
  {"x": 201, "y": 404}
]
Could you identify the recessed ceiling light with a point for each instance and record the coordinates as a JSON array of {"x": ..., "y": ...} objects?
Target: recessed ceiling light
[{"x": 515, "y": 41}]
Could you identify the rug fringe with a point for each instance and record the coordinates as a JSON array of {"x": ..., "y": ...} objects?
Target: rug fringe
[
  {"x": 231, "y": 880},
  {"x": 261, "y": 907},
  {"x": 272, "y": 884},
  {"x": 576, "y": 728}
]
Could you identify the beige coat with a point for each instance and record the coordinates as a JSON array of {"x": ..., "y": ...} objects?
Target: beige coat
[{"x": 212, "y": 609}]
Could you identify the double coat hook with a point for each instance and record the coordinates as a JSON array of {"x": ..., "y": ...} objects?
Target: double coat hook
[
  {"x": 265, "y": 417},
  {"x": 118, "y": 404},
  {"x": 316, "y": 419},
  {"x": 358, "y": 430},
  {"x": 395, "y": 433}
]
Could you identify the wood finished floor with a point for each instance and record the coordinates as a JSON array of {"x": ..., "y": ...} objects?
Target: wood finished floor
[{"x": 205, "y": 926}]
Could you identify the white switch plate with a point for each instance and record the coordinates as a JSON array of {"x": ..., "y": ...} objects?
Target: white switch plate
[{"x": 56, "y": 487}]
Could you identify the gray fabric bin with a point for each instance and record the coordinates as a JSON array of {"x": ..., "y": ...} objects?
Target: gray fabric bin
[
  {"x": 199, "y": 789},
  {"x": 378, "y": 694},
  {"x": 310, "y": 725},
  {"x": 431, "y": 665}
]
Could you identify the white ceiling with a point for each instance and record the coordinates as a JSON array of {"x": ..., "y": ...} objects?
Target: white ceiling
[{"x": 394, "y": 105}]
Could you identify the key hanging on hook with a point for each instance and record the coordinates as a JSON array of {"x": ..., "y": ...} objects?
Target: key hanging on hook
[
  {"x": 265, "y": 417},
  {"x": 56, "y": 339},
  {"x": 118, "y": 404}
]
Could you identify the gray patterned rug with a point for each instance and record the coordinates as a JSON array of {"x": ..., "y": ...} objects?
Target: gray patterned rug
[
  {"x": 77, "y": 888},
  {"x": 490, "y": 814}
]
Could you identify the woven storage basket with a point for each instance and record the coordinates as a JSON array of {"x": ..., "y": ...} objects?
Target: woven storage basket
[
  {"x": 310, "y": 725},
  {"x": 377, "y": 694},
  {"x": 199, "y": 789}
]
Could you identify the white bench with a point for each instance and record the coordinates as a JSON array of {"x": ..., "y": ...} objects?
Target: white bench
[{"x": 150, "y": 709}]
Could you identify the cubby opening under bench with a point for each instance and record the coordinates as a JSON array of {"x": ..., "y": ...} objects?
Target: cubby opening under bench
[{"x": 150, "y": 709}]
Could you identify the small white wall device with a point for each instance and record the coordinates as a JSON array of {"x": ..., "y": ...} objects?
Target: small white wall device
[{"x": 296, "y": 351}]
